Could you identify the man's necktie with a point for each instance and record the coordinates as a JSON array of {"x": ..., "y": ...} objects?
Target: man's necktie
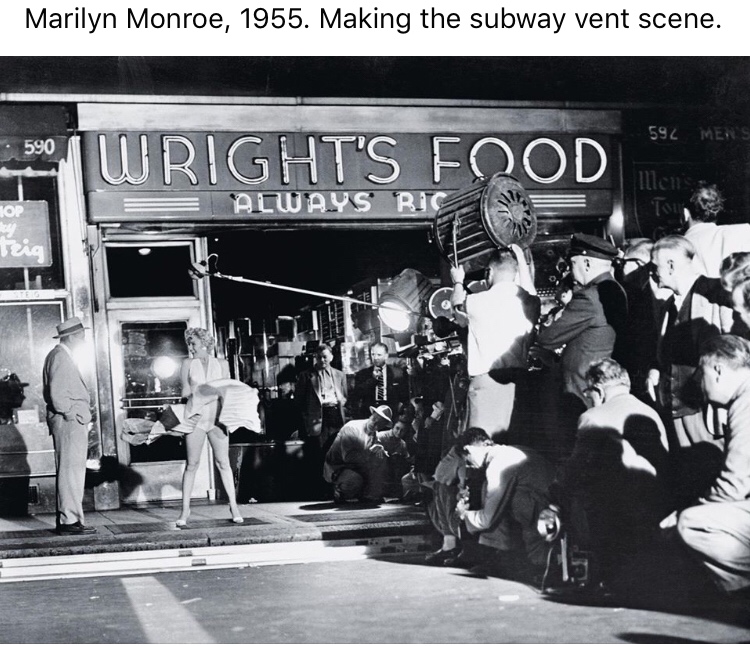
[{"x": 379, "y": 385}]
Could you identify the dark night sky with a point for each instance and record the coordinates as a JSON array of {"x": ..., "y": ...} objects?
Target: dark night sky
[{"x": 670, "y": 80}]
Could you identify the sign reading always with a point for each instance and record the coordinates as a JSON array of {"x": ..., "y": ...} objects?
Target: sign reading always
[
  {"x": 294, "y": 176},
  {"x": 24, "y": 235}
]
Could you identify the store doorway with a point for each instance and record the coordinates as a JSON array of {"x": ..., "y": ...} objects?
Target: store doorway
[{"x": 151, "y": 302}]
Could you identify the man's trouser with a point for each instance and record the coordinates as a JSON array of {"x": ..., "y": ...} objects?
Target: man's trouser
[
  {"x": 330, "y": 424},
  {"x": 719, "y": 532},
  {"x": 698, "y": 456},
  {"x": 691, "y": 429},
  {"x": 490, "y": 404},
  {"x": 516, "y": 514},
  {"x": 71, "y": 448},
  {"x": 442, "y": 509},
  {"x": 361, "y": 482}
]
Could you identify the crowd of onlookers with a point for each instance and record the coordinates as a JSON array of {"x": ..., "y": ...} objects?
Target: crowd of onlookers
[{"x": 620, "y": 416}]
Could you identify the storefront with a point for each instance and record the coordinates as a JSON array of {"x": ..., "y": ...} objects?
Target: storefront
[{"x": 164, "y": 184}]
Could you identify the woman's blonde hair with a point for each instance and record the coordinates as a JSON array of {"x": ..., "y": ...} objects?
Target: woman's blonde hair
[{"x": 202, "y": 335}]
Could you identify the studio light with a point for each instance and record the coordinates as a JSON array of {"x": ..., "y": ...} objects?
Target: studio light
[
  {"x": 395, "y": 316},
  {"x": 401, "y": 303},
  {"x": 165, "y": 367}
]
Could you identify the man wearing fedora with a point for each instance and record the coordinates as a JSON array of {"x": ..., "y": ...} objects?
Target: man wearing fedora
[
  {"x": 356, "y": 462},
  {"x": 68, "y": 416}
]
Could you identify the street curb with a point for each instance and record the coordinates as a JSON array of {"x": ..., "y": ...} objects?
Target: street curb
[{"x": 187, "y": 538}]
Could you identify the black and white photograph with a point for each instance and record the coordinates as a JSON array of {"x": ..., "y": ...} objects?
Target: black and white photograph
[{"x": 374, "y": 349}]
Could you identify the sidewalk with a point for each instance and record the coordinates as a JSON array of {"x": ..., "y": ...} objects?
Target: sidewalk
[{"x": 153, "y": 528}]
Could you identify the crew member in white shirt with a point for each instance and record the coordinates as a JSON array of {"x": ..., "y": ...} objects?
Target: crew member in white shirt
[
  {"x": 712, "y": 242},
  {"x": 500, "y": 322}
]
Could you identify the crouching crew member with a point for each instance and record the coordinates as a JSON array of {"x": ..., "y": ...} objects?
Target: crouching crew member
[
  {"x": 613, "y": 488},
  {"x": 356, "y": 462},
  {"x": 515, "y": 490},
  {"x": 717, "y": 529}
]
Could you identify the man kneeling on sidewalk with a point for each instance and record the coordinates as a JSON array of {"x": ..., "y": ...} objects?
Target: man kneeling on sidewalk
[
  {"x": 356, "y": 462},
  {"x": 515, "y": 489}
]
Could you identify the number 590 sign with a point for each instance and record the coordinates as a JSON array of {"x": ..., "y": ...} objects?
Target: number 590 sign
[{"x": 33, "y": 148}]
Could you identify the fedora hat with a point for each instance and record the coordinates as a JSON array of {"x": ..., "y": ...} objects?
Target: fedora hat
[
  {"x": 383, "y": 411},
  {"x": 68, "y": 327}
]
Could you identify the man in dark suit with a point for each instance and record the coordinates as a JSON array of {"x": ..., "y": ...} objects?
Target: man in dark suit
[
  {"x": 591, "y": 327},
  {"x": 321, "y": 393},
  {"x": 645, "y": 314},
  {"x": 379, "y": 385},
  {"x": 698, "y": 310},
  {"x": 68, "y": 415}
]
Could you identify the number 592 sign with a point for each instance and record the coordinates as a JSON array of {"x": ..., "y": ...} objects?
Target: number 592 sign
[{"x": 24, "y": 235}]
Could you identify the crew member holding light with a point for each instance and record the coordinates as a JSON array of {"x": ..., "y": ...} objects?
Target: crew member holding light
[{"x": 500, "y": 322}]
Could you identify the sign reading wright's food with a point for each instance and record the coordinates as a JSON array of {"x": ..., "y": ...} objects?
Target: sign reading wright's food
[
  {"x": 24, "y": 234},
  {"x": 231, "y": 176}
]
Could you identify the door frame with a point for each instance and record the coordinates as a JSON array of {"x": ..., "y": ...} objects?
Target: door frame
[
  {"x": 162, "y": 477},
  {"x": 161, "y": 480}
]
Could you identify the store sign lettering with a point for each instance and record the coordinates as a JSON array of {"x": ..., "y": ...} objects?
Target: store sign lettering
[
  {"x": 319, "y": 176},
  {"x": 331, "y": 202},
  {"x": 212, "y": 160},
  {"x": 24, "y": 235},
  {"x": 661, "y": 189}
]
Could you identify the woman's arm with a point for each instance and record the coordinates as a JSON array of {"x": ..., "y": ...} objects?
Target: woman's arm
[{"x": 224, "y": 368}]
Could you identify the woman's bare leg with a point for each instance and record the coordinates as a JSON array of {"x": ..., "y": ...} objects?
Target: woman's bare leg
[
  {"x": 194, "y": 445},
  {"x": 220, "y": 444}
]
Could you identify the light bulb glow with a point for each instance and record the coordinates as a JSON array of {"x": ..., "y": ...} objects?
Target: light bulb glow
[
  {"x": 395, "y": 316},
  {"x": 165, "y": 367}
]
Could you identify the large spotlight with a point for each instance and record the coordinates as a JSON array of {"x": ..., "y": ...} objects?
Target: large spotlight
[
  {"x": 165, "y": 367},
  {"x": 400, "y": 304},
  {"x": 395, "y": 316}
]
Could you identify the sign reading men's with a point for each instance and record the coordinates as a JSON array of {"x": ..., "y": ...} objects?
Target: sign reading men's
[
  {"x": 329, "y": 176},
  {"x": 24, "y": 235}
]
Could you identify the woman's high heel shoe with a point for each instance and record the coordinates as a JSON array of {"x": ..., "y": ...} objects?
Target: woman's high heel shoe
[
  {"x": 179, "y": 523},
  {"x": 238, "y": 519}
]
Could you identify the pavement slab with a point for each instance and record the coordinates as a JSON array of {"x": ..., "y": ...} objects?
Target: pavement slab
[{"x": 152, "y": 528}]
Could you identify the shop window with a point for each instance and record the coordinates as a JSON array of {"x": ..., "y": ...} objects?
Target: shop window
[
  {"x": 149, "y": 271},
  {"x": 27, "y": 338},
  {"x": 152, "y": 356},
  {"x": 35, "y": 188}
]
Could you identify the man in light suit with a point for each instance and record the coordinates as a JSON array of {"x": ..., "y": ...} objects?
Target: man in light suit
[
  {"x": 321, "y": 393},
  {"x": 68, "y": 415}
]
